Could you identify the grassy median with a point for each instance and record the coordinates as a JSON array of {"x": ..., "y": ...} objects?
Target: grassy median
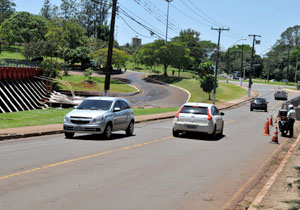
[
  {"x": 79, "y": 83},
  {"x": 225, "y": 91},
  {"x": 55, "y": 116}
]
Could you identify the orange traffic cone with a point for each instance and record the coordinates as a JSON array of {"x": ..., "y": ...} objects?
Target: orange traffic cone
[
  {"x": 271, "y": 121},
  {"x": 266, "y": 130},
  {"x": 275, "y": 137}
]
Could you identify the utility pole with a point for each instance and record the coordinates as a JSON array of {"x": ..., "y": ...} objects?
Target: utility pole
[
  {"x": 167, "y": 20},
  {"x": 217, "y": 61},
  {"x": 109, "y": 68},
  {"x": 251, "y": 68},
  {"x": 288, "y": 66}
]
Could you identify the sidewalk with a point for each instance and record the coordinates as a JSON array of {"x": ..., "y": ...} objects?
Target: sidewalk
[{"x": 23, "y": 132}]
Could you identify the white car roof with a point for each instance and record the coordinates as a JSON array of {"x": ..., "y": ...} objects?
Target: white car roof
[{"x": 197, "y": 104}]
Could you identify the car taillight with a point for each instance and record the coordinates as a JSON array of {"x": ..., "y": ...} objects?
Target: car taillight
[
  {"x": 209, "y": 118},
  {"x": 177, "y": 115}
]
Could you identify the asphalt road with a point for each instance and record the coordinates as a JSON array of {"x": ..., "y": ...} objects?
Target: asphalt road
[
  {"x": 153, "y": 94},
  {"x": 151, "y": 170}
]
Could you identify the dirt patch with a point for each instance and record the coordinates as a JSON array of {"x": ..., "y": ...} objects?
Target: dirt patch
[{"x": 280, "y": 190}]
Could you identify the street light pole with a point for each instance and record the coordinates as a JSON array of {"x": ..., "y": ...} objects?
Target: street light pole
[
  {"x": 251, "y": 68},
  {"x": 242, "y": 66},
  {"x": 167, "y": 20}
]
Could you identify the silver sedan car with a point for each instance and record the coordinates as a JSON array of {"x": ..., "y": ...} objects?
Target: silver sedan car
[
  {"x": 100, "y": 115},
  {"x": 198, "y": 117}
]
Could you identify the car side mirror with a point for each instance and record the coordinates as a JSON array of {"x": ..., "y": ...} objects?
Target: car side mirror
[
  {"x": 75, "y": 107},
  {"x": 222, "y": 113},
  {"x": 117, "y": 109}
]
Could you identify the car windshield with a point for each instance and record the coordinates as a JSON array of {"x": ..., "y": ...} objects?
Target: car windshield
[
  {"x": 194, "y": 110},
  {"x": 95, "y": 104}
]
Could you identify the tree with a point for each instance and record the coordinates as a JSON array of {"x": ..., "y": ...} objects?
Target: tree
[
  {"x": 68, "y": 9},
  {"x": 51, "y": 68},
  {"x": 46, "y": 10},
  {"x": 146, "y": 53},
  {"x": 170, "y": 54},
  {"x": 66, "y": 33},
  {"x": 93, "y": 16},
  {"x": 119, "y": 57},
  {"x": 199, "y": 50},
  {"x": 7, "y": 8},
  {"x": 206, "y": 78},
  {"x": 24, "y": 27}
]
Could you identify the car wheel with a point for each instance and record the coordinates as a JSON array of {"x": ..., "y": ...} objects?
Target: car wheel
[
  {"x": 69, "y": 135},
  {"x": 130, "y": 129},
  {"x": 251, "y": 109},
  {"x": 214, "y": 134},
  {"x": 107, "y": 131},
  {"x": 221, "y": 133},
  {"x": 266, "y": 110},
  {"x": 175, "y": 133}
]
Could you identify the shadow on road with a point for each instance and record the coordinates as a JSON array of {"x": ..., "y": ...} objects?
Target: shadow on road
[
  {"x": 201, "y": 136},
  {"x": 91, "y": 137}
]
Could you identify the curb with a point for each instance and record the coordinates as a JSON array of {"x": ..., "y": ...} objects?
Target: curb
[
  {"x": 265, "y": 189},
  {"x": 26, "y": 135}
]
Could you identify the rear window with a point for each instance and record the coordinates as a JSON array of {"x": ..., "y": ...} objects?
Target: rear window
[
  {"x": 194, "y": 110},
  {"x": 260, "y": 99},
  {"x": 95, "y": 104}
]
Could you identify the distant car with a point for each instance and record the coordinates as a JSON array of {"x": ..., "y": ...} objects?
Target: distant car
[
  {"x": 259, "y": 103},
  {"x": 100, "y": 115},
  {"x": 280, "y": 94},
  {"x": 198, "y": 117}
]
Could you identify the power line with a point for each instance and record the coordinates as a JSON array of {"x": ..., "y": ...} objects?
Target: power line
[
  {"x": 127, "y": 10},
  {"x": 144, "y": 26}
]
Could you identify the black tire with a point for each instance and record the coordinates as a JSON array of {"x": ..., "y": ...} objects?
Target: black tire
[
  {"x": 214, "y": 134},
  {"x": 251, "y": 109},
  {"x": 130, "y": 129},
  {"x": 175, "y": 133},
  {"x": 69, "y": 135},
  {"x": 221, "y": 133},
  {"x": 266, "y": 110},
  {"x": 107, "y": 131}
]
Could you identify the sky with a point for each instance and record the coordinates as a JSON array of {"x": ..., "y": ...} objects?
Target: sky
[{"x": 267, "y": 18}]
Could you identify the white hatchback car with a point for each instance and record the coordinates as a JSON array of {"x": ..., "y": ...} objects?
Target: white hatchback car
[{"x": 198, "y": 117}]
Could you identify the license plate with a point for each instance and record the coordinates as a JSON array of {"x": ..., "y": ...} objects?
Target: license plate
[
  {"x": 191, "y": 126},
  {"x": 78, "y": 128}
]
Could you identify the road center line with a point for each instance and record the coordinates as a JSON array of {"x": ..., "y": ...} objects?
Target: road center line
[
  {"x": 228, "y": 122},
  {"x": 273, "y": 107},
  {"x": 83, "y": 158}
]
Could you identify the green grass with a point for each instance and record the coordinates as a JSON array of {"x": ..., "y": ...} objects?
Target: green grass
[
  {"x": 262, "y": 81},
  {"x": 13, "y": 52},
  {"x": 55, "y": 116},
  {"x": 225, "y": 91},
  {"x": 32, "y": 117},
  {"x": 78, "y": 83}
]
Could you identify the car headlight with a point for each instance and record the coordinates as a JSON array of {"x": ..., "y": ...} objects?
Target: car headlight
[
  {"x": 67, "y": 119},
  {"x": 97, "y": 120}
]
